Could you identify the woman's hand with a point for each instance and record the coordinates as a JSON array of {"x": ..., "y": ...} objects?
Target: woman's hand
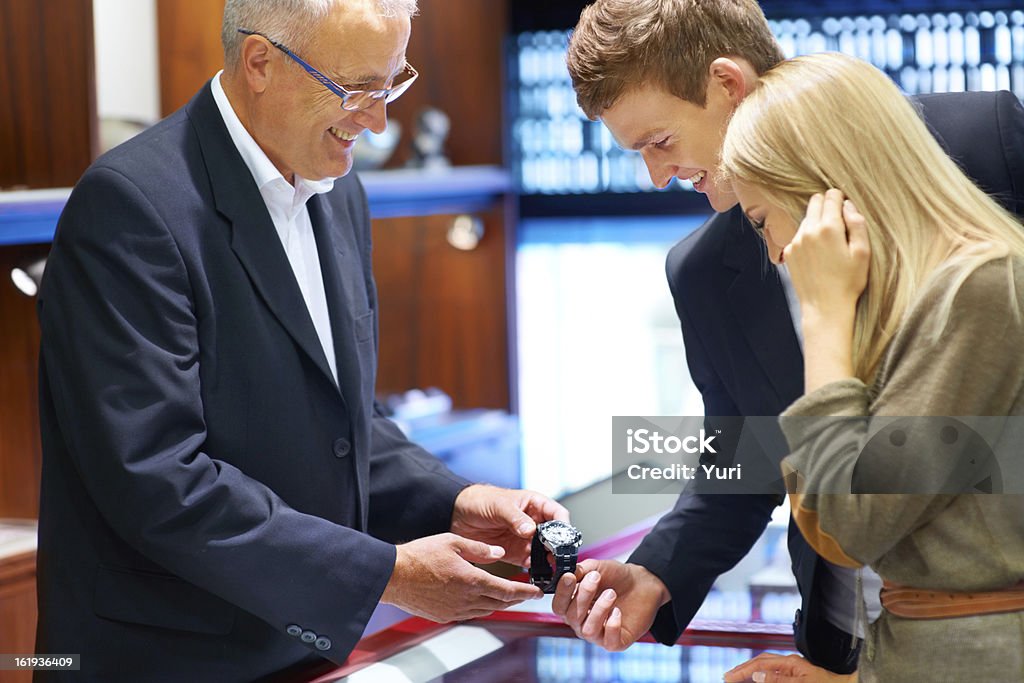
[
  {"x": 828, "y": 261},
  {"x": 772, "y": 668},
  {"x": 828, "y": 257}
]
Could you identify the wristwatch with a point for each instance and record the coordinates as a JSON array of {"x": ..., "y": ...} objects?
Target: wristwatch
[{"x": 563, "y": 540}]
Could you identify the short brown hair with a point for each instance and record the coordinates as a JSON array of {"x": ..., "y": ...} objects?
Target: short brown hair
[{"x": 669, "y": 43}]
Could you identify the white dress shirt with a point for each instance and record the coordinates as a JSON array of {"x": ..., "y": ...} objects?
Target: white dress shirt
[{"x": 286, "y": 203}]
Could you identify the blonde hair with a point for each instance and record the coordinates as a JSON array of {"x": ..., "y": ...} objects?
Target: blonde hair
[
  {"x": 619, "y": 44},
  {"x": 829, "y": 120}
]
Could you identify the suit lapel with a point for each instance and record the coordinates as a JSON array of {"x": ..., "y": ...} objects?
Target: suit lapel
[
  {"x": 335, "y": 262},
  {"x": 253, "y": 236},
  {"x": 759, "y": 303}
]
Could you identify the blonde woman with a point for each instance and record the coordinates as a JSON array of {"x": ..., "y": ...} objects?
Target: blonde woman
[{"x": 911, "y": 287}]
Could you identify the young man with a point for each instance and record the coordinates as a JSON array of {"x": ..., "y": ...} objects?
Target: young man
[{"x": 664, "y": 76}]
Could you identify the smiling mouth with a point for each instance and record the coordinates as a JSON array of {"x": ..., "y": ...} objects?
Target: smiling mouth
[
  {"x": 697, "y": 180},
  {"x": 342, "y": 135}
]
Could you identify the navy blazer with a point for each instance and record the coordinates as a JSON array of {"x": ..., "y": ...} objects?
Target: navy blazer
[
  {"x": 214, "y": 506},
  {"x": 745, "y": 359}
]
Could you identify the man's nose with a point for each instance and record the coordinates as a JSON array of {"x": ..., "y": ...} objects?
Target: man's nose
[
  {"x": 661, "y": 173},
  {"x": 374, "y": 117}
]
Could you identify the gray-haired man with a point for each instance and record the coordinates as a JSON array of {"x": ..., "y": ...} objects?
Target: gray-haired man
[{"x": 221, "y": 500}]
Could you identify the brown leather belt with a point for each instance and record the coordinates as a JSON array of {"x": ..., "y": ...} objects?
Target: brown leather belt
[{"x": 916, "y": 603}]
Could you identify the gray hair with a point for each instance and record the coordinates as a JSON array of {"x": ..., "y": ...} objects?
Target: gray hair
[{"x": 291, "y": 22}]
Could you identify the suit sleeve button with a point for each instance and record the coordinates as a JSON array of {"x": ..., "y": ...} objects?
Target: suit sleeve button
[
  {"x": 307, "y": 637},
  {"x": 322, "y": 643},
  {"x": 294, "y": 630}
]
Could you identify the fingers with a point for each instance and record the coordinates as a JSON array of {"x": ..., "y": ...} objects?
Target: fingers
[
  {"x": 511, "y": 512},
  {"x": 584, "y": 567},
  {"x": 586, "y": 593},
  {"x": 832, "y": 209},
  {"x": 588, "y": 586},
  {"x": 476, "y": 551},
  {"x": 484, "y": 583},
  {"x": 773, "y": 668},
  {"x": 488, "y": 604},
  {"x": 573, "y": 598},
  {"x": 824, "y": 211},
  {"x": 613, "y": 638},
  {"x": 743, "y": 672},
  {"x": 518, "y": 554},
  {"x": 607, "y": 609},
  {"x": 857, "y": 231},
  {"x": 524, "y": 526},
  {"x": 508, "y": 592},
  {"x": 592, "y": 629},
  {"x": 824, "y": 220},
  {"x": 814, "y": 207},
  {"x": 566, "y": 597},
  {"x": 523, "y": 516},
  {"x": 832, "y": 222},
  {"x": 777, "y": 677},
  {"x": 554, "y": 510},
  {"x": 851, "y": 214},
  {"x": 434, "y": 577},
  {"x": 563, "y": 594},
  {"x": 543, "y": 508}
]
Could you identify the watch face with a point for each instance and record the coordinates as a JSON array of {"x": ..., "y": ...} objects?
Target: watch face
[{"x": 559, "y": 533}]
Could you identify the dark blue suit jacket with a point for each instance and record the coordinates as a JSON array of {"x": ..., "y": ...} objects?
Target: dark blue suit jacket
[
  {"x": 214, "y": 507},
  {"x": 745, "y": 359}
]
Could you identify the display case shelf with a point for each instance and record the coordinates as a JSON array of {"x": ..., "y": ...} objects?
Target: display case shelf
[{"x": 30, "y": 216}]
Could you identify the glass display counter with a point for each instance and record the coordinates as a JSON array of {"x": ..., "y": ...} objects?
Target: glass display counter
[
  {"x": 537, "y": 647},
  {"x": 529, "y": 644}
]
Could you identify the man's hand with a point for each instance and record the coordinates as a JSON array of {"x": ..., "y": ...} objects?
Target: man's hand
[
  {"x": 770, "y": 668},
  {"x": 614, "y": 603},
  {"x": 434, "y": 578},
  {"x": 503, "y": 517}
]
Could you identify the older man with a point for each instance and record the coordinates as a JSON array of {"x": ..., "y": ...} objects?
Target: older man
[{"x": 221, "y": 500}]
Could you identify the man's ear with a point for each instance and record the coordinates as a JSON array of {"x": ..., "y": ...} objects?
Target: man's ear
[
  {"x": 728, "y": 79},
  {"x": 254, "y": 63}
]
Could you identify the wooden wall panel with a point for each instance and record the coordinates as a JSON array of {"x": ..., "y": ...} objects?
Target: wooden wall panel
[
  {"x": 445, "y": 314},
  {"x": 457, "y": 46},
  {"x": 189, "y": 48},
  {"x": 48, "y": 129},
  {"x": 442, "y": 310},
  {"x": 20, "y": 450},
  {"x": 18, "y": 610}
]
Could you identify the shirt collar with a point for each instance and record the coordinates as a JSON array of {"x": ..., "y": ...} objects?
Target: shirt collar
[{"x": 260, "y": 166}]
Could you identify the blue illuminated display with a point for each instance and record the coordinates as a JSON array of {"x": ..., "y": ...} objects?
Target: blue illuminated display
[{"x": 555, "y": 150}]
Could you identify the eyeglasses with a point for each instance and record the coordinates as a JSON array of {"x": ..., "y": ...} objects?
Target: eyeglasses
[{"x": 351, "y": 100}]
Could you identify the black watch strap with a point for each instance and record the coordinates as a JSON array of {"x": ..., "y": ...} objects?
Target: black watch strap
[
  {"x": 540, "y": 568},
  {"x": 564, "y": 564}
]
